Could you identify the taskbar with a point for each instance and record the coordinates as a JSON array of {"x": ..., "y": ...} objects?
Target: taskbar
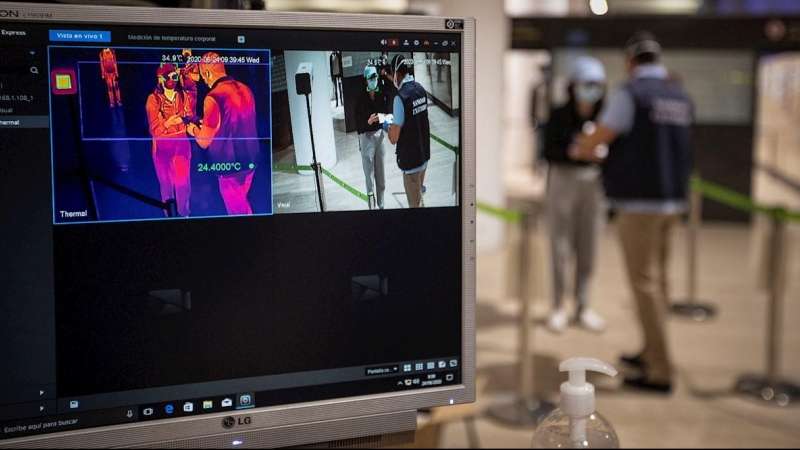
[{"x": 231, "y": 403}]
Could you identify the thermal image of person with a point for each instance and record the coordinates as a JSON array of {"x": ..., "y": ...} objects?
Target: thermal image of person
[
  {"x": 189, "y": 76},
  {"x": 228, "y": 131},
  {"x": 172, "y": 153},
  {"x": 110, "y": 74}
]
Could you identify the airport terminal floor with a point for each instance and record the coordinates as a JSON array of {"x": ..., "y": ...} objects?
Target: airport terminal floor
[{"x": 703, "y": 410}]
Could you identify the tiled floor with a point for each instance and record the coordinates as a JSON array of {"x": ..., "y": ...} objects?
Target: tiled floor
[
  {"x": 704, "y": 410},
  {"x": 294, "y": 192}
]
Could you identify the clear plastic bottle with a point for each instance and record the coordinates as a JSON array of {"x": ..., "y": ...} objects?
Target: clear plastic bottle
[{"x": 575, "y": 423}]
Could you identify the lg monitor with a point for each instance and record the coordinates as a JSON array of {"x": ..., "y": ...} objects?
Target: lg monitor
[{"x": 206, "y": 238}]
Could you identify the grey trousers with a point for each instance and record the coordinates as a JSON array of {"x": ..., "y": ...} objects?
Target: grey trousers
[
  {"x": 373, "y": 154},
  {"x": 576, "y": 212}
]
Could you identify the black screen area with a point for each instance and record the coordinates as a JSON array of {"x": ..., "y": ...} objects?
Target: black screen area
[{"x": 268, "y": 295}]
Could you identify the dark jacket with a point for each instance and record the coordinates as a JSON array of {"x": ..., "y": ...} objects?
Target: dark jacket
[
  {"x": 366, "y": 106},
  {"x": 414, "y": 143},
  {"x": 561, "y": 131}
]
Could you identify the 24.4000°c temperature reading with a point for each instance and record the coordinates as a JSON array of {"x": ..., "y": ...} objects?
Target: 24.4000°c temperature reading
[{"x": 221, "y": 167}]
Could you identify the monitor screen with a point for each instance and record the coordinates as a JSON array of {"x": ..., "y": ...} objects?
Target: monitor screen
[{"x": 212, "y": 216}]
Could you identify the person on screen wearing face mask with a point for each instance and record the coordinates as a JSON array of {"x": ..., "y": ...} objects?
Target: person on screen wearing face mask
[
  {"x": 172, "y": 154},
  {"x": 410, "y": 130},
  {"x": 576, "y": 205},
  {"x": 371, "y": 102}
]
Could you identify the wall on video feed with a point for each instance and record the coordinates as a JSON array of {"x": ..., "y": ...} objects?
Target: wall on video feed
[
  {"x": 438, "y": 73},
  {"x": 320, "y": 100}
]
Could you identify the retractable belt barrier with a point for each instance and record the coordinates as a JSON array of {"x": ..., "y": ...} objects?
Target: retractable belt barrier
[
  {"x": 768, "y": 387},
  {"x": 337, "y": 180},
  {"x": 741, "y": 202},
  {"x": 334, "y": 178},
  {"x": 525, "y": 409}
]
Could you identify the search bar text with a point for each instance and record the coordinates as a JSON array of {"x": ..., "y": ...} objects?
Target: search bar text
[{"x": 19, "y": 70}]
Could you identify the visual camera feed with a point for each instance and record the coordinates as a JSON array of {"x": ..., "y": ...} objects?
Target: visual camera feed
[
  {"x": 346, "y": 138},
  {"x": 158, "y": 133}
]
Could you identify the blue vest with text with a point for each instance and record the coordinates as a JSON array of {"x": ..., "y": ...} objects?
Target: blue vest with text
[
  {"x": 414, "y": 143},
  {"x": 653, "y": 161}
]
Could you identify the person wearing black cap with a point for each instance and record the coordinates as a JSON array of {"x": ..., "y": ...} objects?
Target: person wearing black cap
[
  {"x": 646, "y": 176},
  {"x": 410, "y": 130}
]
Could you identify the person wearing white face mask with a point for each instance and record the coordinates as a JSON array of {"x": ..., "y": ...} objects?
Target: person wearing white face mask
[
  {"x": 372, "y": 102},
  {"x": 410, "y": 130},
  {"x": 576, "y": 205}
]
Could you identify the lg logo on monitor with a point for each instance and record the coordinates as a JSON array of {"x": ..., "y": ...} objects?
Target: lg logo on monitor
[{"x": 230, "y": 422}]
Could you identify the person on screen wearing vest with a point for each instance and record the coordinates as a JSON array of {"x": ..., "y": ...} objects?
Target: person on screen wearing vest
[
  {"x": 410, "y": 130},
  {"x": 371, "y": 102},
  {"x": 576, "y": 204},
  {"x": 172, "y": 153},
  {"x": 229, "y": 133},
  {"x": 648, "y": 126}
]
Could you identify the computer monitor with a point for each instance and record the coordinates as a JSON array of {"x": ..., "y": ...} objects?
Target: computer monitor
[{"x": 201, "y": 243}]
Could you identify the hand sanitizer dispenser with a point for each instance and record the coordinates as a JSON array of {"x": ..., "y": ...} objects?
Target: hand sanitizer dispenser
[{"x": 575, "y": 423}]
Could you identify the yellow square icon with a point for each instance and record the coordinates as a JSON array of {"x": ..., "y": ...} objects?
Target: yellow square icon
[
  {"x": 208, "y": 404},
  {"x": 63, "y": 81}
]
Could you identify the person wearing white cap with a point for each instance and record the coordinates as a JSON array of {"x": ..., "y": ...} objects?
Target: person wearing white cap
[
  {"x": 372, "y": 103},
  {"x": 576, "y": 206}
]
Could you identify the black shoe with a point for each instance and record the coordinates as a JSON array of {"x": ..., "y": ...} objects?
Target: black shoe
[
  {"x": 643, "y": 384},
  {"x": 635, "y": 361}
]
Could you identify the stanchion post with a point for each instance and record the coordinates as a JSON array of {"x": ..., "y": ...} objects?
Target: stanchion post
[
  {"x": 525, "y": 410},
  {"x": 691, "y": 308},
  {"x": 777, "y": 264},
  {"x": 525, "y": 380},
  {"x": 770, "y": 388}
]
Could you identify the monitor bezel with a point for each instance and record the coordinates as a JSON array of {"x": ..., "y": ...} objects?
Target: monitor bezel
[{"x": 279, "y": 417}]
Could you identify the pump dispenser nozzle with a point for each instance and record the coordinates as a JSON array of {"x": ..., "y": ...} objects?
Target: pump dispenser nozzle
[
  {"x": 577, "y": 396},
  {"x": 575, "y": 424}
]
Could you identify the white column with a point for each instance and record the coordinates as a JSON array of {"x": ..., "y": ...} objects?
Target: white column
[
  {"x": 324, "y": 141},
  {"x": 492, "y": 39}
]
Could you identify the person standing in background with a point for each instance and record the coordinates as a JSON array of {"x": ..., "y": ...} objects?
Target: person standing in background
[
  {"x": 110, "y": 74},
  {"x": 648, "y": 124},
  {"x": 189, "y": 76},
  {"x": 576, "y": 205},
  {"x": 336, "y": 75}
]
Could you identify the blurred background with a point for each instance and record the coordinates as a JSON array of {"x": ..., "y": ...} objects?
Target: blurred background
[{"x": 734, "y": 267}]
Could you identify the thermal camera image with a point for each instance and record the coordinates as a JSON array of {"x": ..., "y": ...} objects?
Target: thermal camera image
[{"x": 192, "y": 138}]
